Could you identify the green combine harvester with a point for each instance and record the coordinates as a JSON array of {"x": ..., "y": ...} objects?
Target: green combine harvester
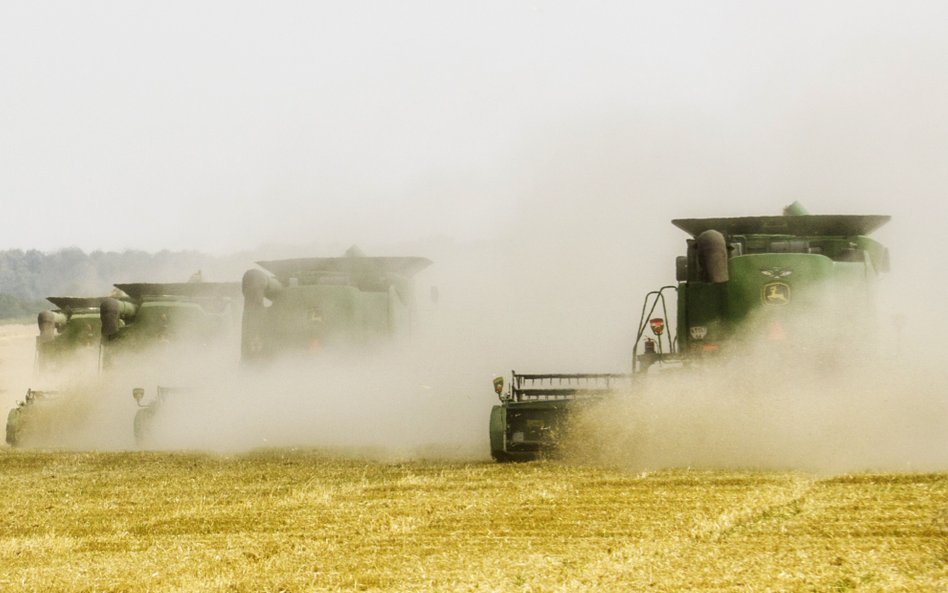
[
  {"x": 122, "y": 330},
  {"x": 68, "y": 335},
  {"x": 159, "y": 318},
  {"x": 166, "y": 313},
  {"x": 309, "y": 305},
  {"x": 743, "y": 282},
  {"x": 297, "y": 307},
  {"x": 69, "y": 330}
]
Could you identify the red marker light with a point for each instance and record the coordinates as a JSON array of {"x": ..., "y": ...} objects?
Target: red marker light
[
  {"x": 776, "y": 332},
  {"x": 658, "y": 325}
]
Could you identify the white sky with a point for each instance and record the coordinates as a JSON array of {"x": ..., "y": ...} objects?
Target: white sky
[{"x": 220, "y": 126}]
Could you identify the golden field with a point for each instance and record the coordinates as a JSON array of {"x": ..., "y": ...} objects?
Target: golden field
[{"x": 287, "y": 520}]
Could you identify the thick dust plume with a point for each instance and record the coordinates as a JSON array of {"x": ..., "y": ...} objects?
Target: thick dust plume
[
  {"x": 16, "y": 362},
  {"x": 826, "y": 403},
  {"x": 424, "y": 394},
  {"x": 823, "y": 404},
  {"x": 480, "y": 309}
]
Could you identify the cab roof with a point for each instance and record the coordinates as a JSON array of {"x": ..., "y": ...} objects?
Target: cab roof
[
  {"x": 64, "y": 303},
  {"x": 140, "y": 290},
  {"x": 831, "y": 225},
  {"x": 360, "y": 265}
]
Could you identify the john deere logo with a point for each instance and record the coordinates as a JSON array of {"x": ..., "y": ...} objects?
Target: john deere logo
[{"x": 776, "y": 293}]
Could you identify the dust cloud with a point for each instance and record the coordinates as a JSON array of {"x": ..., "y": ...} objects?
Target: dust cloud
[
  {"x": 426, "y": 395},
  {"x": 538, "y": 169},
  {"x": 16, "y": 361},
  {"x": 846, "y": 397},
  {"x": 833, "y": 406},
  {"x": 560, "y": 291}
]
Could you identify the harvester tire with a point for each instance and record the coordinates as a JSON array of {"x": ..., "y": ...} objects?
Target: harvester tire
[
  {"x": 142, "y": 425},
  {"x": 501, "y": 457},
  {"x": 13, "y": 427}
]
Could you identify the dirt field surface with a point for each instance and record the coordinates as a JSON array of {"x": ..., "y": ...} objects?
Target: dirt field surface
[{"x": 302, "y": 521}]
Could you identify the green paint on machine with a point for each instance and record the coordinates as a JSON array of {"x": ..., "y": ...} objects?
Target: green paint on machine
[{"x": 742, "y": 280}]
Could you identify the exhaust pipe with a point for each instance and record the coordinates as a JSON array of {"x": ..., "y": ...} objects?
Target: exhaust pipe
[
  {"x": 257, "y": 286},
  {"x": 112, "y": 313},
  {"x": 712, "y": 254},
  {"x": 48, "y": 322}
]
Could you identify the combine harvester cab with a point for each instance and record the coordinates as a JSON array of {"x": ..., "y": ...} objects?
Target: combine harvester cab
[
  {"x": 68, "y": 337},
  {"x": 779, "y": 281},
  {"x": 155, "y": 326},
  {"x": 776, "y": 280},
  {"x": 308, "y": 305}
]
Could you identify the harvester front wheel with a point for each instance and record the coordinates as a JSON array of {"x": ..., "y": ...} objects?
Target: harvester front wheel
[
  {"x": 13, "y": 427},
  {"x": 142, "y": 425}
]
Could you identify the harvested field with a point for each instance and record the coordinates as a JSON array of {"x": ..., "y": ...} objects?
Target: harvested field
[{"x": 303, "y": 521}]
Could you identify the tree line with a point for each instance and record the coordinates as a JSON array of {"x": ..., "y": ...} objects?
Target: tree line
[{"x": 28, "y": 277}]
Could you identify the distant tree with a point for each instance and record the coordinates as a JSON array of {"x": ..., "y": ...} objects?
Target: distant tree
[
  {"x": 28, "y": 277},
  {"x": 17, "y": 309}
]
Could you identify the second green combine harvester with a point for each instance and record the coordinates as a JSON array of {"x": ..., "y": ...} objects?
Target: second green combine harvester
[
  {"x": 159, "y": 327},
  {"x": 299, "y": 307},
  {"x": 742, "y": 281},
  {"x": 334, "y": 304},
  {"x": 68, "y": 341},
  {"x": 67, "y": 333},
  {"x": 166, "y": 313}
]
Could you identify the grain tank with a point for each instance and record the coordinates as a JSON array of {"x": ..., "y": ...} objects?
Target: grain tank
[
  {"x": 308, "y": 305},
  {"x": 68, "y": 331},
  {"x": 162, "y": 315}
]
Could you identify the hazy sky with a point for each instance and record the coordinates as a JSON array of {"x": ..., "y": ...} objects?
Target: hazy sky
[{"x": 220, "y": 126}]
